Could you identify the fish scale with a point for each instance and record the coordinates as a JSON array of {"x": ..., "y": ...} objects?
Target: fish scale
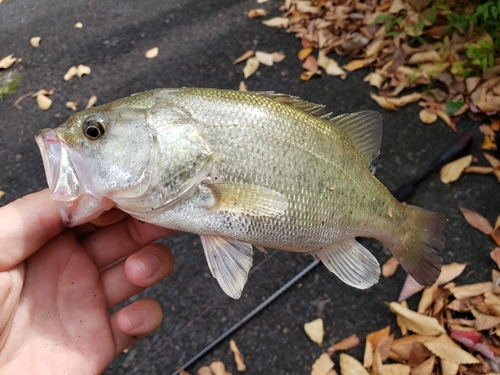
[{"x": 243, "y": 169}]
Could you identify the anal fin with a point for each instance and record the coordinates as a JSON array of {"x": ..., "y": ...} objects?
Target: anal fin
[
  {"x": 229, "y": 261},
  {"x": 351, "y": 262}
]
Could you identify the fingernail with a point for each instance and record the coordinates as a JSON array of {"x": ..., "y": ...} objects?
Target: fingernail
[
  {"x": 136, "y": 318},
  {"x": 149, "y": 263}
]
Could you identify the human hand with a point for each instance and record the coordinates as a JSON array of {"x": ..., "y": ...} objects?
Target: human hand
[{"x": 57, "y": 285}]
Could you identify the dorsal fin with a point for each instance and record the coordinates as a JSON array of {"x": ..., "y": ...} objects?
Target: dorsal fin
[
  {"x": 365, "y": 131},
  {"x": 316, "y": 110}
]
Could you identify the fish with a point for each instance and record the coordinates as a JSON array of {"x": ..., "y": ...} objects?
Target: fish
[{"x": 243, "y": 170}]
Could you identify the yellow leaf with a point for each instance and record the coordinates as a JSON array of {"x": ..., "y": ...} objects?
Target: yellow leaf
[
  {"x": 351, "y": 366},
  {"x": 43, "y": 102},
  {"x": 382, "y": 101},
  {"x": 477, "y": 221},
  {"x": 445, "y": 348},
  {"x": 322, "y": 365},
  {"x": 304, "y": 52},
  {"x": 375, "y": 79},
  {"x": 470, "y": 290},
  {"x": 395, "y": 369},
  {"x": 452, "y": 171},
  {"x": 416, "y": 322},
  {"x": 35, "y": 41},
  {"x": 354, "y": 65},
  {"x": 405, "y": 99},
  {"x": 448, "y": 367},
  {"x": 276, "y": 22},
  {"x": 427, "y": 116},
  {"x": 450, "y": 272},
  {"x": 7, "y": 61},
  {"x": 255, "y": 13},
  {"x": 251, "y": 67},
  {"x": 401, "y": 322},
  {"x": 426, "y": 299},
  {"x": 152, "y": 53},
  {"x": 238, "y": 358},
  {"x": 315, "y": 330},
  {"x": 2, "y": 193},
  {"x": 421, "y": 57}
]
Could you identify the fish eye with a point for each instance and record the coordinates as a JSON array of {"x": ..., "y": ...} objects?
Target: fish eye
[{"x": 93, "y": 130}]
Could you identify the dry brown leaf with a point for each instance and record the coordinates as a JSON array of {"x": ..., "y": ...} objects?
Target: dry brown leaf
[
  {"x": 71, "y": 105},
  {"x": 449, "y": 367},
  {"x": 330, "y": 65},
  {"x": 401, "y": 322},
  {"x": 35, "y": 41},
  {"x": 354, "y": 65},
  {"x": 344, "y": 344},
  {"x": 314, "y": 330},
  {"x": 306, "y": 76},
  {"x": 478, "y": 169},
  {"x": 78, "y": 25},
  {"x": 488, "y": 144},
  {"x": 91, "y": 102},
  {"x": 390, "y": 267},
  {"x": 445, "y": 348},
  {"x": 494, "y": 162},
  {"x": 310, "y": 64},
  {"x": 405, "y": 99},
  {"x": 43, "y": 102},
  {"x": 81, "y": 70},
  {"x": 470, "y": 290},
  {"x": 485, "y": 322},
  {"x": 384, "y": 347},
  {"x": 304, "y": 53},
  {"x": 246, "y": 55},
  {"x": 416, "y": 322},
  {"x": 368, "y": 355},
  {"x": 276, "y": 22},
  {"x": 495, "y": 255},
  {"x": 322, "y": 365},
  {"x": 425, "y": 368},
  {"x": 377, "y": 362},
  {"x": 238, "y": 358},
  {"x": 403, "y": 346},
  {"x": 375, "y": 79},
  {"x": 218, "y": 368},
  {"x": 278, "y": 57},
  {"x": 395, "y": 369},
  {"x": 204, "y": 370},
  {"x": 375, "y": 337},
  {"x": 427, "y": 116},
  {"x": 477, "y": 221},
  {"x": 421, "y": 57},
  {"x": 351, "y": 366},
  {"x": 306, "y": 7},
  {"x": 383, "y": 102},
  {"x": 452, "y": 171},
  {"x": 2, "y": 193},
  {"x": 70, "y": 73},
  {"x": 264, "y": 58},
  {"x": 7, "y": 61},
  {"x": 243, "y": 86},
  {"x": 151, "y": 53},
  {"x": 184, "y": 372},
  {"x": 251, "y": 67},
  {"x": 426, "y": 299},
  {"x": 255, "y": 13},
  {"x": 496, "y": 235}
]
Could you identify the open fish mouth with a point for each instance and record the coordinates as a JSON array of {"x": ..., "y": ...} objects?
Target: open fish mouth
[{"x": 68, "y": 180}]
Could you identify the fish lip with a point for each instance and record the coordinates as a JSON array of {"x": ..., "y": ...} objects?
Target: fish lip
[{"x": 69, "y": 188}]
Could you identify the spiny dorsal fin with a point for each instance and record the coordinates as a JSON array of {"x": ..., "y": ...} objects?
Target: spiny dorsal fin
[
  {"x": 365, "y": 131},
  {"x": 316, "y": 110}
]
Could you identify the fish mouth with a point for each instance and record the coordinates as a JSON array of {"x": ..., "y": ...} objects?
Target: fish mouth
[{"x": 69, "y": 181}]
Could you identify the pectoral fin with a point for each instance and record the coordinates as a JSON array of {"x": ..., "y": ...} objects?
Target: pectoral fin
[
  {"x": 351, "y": 262},
  {"x": 248, "y": 199},
  {"x": 229, "y": 261}
]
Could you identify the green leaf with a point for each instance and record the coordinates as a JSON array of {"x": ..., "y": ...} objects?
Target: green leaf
[{"x": 453, "y": 107}]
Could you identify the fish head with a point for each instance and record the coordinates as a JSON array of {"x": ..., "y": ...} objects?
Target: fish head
[{"x": 92, "y": 157}]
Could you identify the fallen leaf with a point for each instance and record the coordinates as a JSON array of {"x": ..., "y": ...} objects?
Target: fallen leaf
[
  {"x": 477, "y": 221},
  {"x": 243, "y": 86},
  {"x": 71, "y": 105},
  {"x": 403, "y": 346},
  {"x": 264, "y": 58},
  {"x": 204, "y": 370},
  {"x": 351, "y": 366},
  {"x": 306, "y": 7},
  {"x": 478, "y": 169},
  {"x": 354, "y": 65},
  {"x": 401, "y": 322},
  {"x": 368, "y": 355},
  {"x": 405, "y": 99},
  {"x": 470, "y": 290},
  {"x": 183, "y": 372},
  {"x": 416, "y": 322},
  {"x": 2, "y": 193},
  {"x": 218, "y": 368},
  {"x": 494, "y": 162},
  {"x": 278, "y": 57},
  {"x": 246, "y": 55},
  {"x": 396, "y": 369},
  {"x": 81, "y": 70},
  {"x": 452, "y": 171},
  {"x": 322, "y": 365},
  {"x": 78, "y": 25},
  {"x": 390, "y": 267},
  {"x": 445, "y": 348},
  {"x": 421, "y": 57},
  {"x": 375, "y": 337},
  {"x": 307, "y": 75},
  {"x": 449, "y": 367},
  {"x": 255, "y": 13},
  {"x": 310, "y": 64},
  {"x": 426, "y": 299},
  {"x": 35, "y": 41},
  {"x": 304, "y": 53},
  {"x": 152, "y": 53},
  {"x": 91, "y": 102},
  {"x": 276, "y": 22},
  {"x": 251, "y": 67},
  {"x": 344, "y": 344},
  {"x": 427, "y": 116},
  {"x": 7, "y": 61},
  {"x": 383, "y": 102},
  {"x": 488, "y": 144},
  {"x": 315, "y": 331},
  {"x": 43, "y": 102},
  {"x": 375, "y": 79},
  {"x": 70, "y": 73},
  {"x": 425, "y": 368},
  {"x": 238, "y": 358}
]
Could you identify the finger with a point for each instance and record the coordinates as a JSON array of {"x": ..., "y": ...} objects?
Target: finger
[
  {"x": 139, "y": 271},
  {"x": 112, "y": 243},
  {"x": 134, "y": 321},
  {"x": 106, "y": 218},
  {"x": 27, "y": 224}
]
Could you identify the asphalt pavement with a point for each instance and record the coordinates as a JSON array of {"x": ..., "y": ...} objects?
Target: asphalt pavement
[{"x": 198, "y": 40}]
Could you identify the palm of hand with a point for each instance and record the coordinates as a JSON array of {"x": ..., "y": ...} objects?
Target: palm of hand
[{"x": 54, "y": 305}]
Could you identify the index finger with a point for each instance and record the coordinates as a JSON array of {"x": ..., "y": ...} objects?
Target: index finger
[{"x": 27, "y": 224}]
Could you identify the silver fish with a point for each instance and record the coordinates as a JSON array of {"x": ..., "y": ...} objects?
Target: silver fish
[{"x": 242, "y": 170}]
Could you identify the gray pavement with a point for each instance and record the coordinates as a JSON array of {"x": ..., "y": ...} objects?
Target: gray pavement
[{"x": 197, "y": 42}]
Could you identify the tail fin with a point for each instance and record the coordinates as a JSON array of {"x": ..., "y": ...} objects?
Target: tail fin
[{"x": 419, "y": 248}]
